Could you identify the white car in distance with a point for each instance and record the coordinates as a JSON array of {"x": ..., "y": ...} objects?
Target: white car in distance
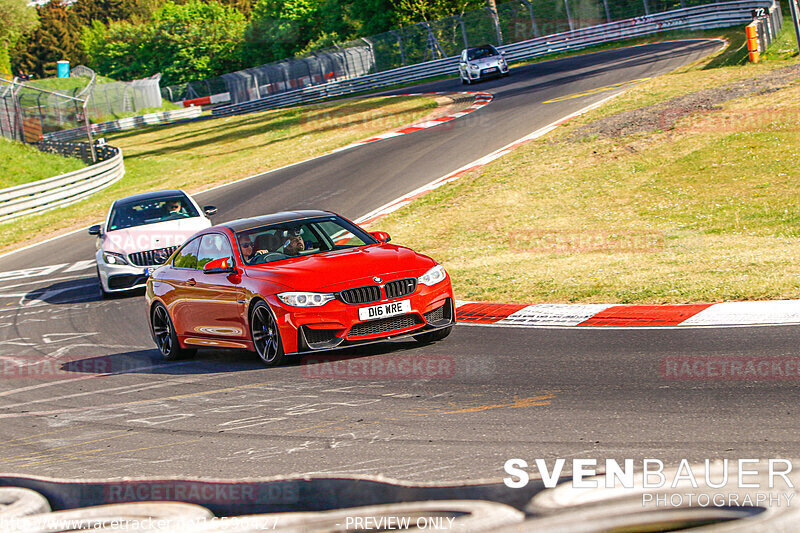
[
  {"x": 140, "y": 233},
  {"x": 481, "y": 62}
]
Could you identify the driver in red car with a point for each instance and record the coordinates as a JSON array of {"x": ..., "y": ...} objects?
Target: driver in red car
[{"x": 247, "y": 247}]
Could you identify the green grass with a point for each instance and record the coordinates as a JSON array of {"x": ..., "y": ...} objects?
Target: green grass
[
  {"x": 20, "y": 163},
  {"x": 705, "y": 212},
  {"x": 65, "y": 84},
  {"x": 194, "y": 156}
]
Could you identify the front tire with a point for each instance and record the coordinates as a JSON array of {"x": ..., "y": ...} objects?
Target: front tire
[
  {"x": 433, "y": 336},
  {"x": 265, "y": 335},
  {"x": 164, "y": 334}
]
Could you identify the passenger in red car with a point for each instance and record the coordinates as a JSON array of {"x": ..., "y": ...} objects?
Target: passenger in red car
[{"x": 294, "y": 246}]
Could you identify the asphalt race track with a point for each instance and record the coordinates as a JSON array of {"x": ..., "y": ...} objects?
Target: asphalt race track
[{"x": 83, "y": 392}]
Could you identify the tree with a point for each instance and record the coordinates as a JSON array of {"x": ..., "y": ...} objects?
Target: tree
[
  {"x": 103, "y": 11},
  {"x": 351, "y": 19},
  {"x": 56, "y": 38},
  {"x": 185, "y": 42},
  {"x": 414, "y": 11},
  {"x": 116, "y": 50},
  {"x": 280, "y": 29},
  {"x": 17, "y": 20}
]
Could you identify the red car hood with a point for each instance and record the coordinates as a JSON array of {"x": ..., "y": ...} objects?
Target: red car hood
[{"x": 334, "y": 271}]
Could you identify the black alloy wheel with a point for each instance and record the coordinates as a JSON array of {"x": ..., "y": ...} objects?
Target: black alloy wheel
[
  {"x": 265, "y": 335},
  {"x": 165, "y": 336}
]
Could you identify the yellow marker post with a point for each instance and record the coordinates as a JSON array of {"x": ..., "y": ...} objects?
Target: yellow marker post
[{"x": 751, "y": 31}]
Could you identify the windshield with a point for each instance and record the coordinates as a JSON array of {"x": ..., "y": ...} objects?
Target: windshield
[
  {"x": 150, "y": 211},
  {"x": 276, "y": 242},
  {"x": 483, "y": 51}
]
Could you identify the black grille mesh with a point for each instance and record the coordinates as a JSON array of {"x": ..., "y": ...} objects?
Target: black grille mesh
[
  {"x": 125, "y": 281},
  {"x": 384, "y": 325},
  {"x": 315, "y": 336},
  {"x": 151, "y": 257},
  {"x": 435, "y": 315},
  {"x": 361, "y": 295},
  {"x": 400, "y": 288}
]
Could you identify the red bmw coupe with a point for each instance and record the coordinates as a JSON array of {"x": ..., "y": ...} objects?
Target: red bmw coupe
[{"x": 295, "y": 282}]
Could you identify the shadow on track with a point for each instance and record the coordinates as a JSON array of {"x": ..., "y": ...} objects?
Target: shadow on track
[
  {"x": 83, "y": 290},
  {"x": 217, "y": 361}
]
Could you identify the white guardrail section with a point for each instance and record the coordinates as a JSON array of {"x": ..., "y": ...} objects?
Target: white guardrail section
[
  {"x": 708, "y": 16},
  {"x": 126, "y": 123},
  {"x": 60, "y": 190}
]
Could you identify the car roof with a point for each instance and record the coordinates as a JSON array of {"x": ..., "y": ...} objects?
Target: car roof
[
  {"x": 149, "y": 196},
  {"x": 244, "y": 224}
]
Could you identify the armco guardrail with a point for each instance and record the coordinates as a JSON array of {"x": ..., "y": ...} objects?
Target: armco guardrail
[
  {"x": 696, "y": 18},
  {"x": 61, "y": 190},
  {"x": 126, "y": 123}
]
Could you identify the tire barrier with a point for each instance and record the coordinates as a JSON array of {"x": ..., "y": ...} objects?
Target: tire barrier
[
  {"x": 16, "y": 502},
  {"x": 604, "y": 520},
  {"x": 273, "y": 495},
  {"x": 363, "y": 503}
]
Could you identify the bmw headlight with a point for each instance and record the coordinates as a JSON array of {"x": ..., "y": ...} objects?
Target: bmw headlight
[
  {"x": 114, "y": 259},
  {"x": 305, "y": 299},
  {"x": 433, "y": 276}
]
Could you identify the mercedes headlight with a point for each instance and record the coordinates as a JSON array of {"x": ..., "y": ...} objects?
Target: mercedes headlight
[
  {"x": 305, "y": 299},
  {"x": 114, "y": 259},
  {"x": 433, "y": 276}
]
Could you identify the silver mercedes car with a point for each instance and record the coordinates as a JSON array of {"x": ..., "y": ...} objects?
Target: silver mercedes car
[
  {"x": 140, "y": 233},
  {"x": 481, "y": 62}
]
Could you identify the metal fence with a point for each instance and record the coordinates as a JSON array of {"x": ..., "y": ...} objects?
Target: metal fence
[
  {"x": 700, "y": 17},
  {"x": 107, "y": 100},
  {"x": 27, "y": 113},
  {"x": 513, "y": 22},
  {"x": 28, "y": 110}
]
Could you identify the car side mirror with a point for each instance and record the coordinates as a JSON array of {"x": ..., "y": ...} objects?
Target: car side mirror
[
  {"x": 97, "y": 229},
  {"x": 382, "y": 236},
  {"x": 210, "y": 210},
  {"x": 223, "y": 265}
]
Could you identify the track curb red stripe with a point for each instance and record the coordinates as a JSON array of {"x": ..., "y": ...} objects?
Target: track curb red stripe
[
  {"x": 757, "y": 313},
  {"x": 481, "y": 99}
]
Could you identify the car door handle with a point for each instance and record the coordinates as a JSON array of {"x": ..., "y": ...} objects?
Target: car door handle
[{"x": 191, "y": 282}]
